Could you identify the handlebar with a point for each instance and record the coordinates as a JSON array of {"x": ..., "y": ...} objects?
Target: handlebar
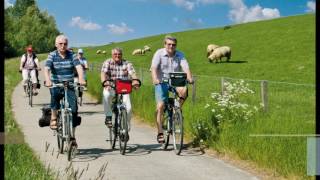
[{"x": 63, "y": 84}]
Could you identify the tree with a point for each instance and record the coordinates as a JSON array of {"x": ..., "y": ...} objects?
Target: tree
[{"x": 25, "y": 24}]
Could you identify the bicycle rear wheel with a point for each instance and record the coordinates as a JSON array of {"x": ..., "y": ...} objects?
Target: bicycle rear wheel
[
  {"x": 177, "y": 122},
  {"x": 72, "y": 151},
  {"x": 69, "y": 132},
  {"x": 167, "y": 130},
  {"x": 111, "y": 132},
  {"x": 115, "y": 131},
  {"x": 123, "y": 133}
]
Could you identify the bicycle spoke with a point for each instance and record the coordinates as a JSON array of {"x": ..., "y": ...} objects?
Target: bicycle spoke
[
  {"x": 123, "y": 134},
  {"x": 177, "y": 131}
]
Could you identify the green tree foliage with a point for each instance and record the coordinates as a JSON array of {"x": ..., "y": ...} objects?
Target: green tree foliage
[{"x": 25, "y": 24}]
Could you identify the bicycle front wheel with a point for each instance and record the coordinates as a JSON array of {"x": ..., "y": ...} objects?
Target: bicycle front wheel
[
  {"x": 177, "y": 122},
  {"x": 30, "y": 94},
  {"x": 71, "y": 147},
  {"x": 123, "y": 134},
  {"x": 60, "y": 138}
]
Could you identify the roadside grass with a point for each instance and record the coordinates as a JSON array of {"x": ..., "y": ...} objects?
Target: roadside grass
[
  {"x": 20, "y": 161},
  {"x": 278, "y": 50}
]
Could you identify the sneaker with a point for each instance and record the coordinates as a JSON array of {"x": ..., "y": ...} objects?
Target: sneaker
[
  {"x": 85, "y": 88},
  {"x": 108, "y": 121}
]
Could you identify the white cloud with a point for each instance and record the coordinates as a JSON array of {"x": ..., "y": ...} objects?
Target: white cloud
[
  {"x": 311, "y": 6},
  {"x": 7, "y": 4},
  {"x": 240, "y": 13},
  {"x": 188, "y": 5},
  {"x": 82, "y": 24},
  {"x": 121, "y": 29}
]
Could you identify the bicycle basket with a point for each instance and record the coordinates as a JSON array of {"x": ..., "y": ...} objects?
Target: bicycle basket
[
  {"x": 123, "y": 86},
  {"x": 178, "y": 79}
]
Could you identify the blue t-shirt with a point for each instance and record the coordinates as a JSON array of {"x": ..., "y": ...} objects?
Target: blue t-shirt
[{"x": 62, "y": 69}]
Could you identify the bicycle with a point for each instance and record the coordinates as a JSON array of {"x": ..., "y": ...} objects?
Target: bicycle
[
  {"x": 120, "y": 128},
  {"x": 64, "y": 129},
  {"x": 173, "y": 118},
  {"x": 29, "y": 88}
]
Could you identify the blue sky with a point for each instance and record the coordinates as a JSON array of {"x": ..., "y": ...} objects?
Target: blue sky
[{"x": 98, "y": 22}]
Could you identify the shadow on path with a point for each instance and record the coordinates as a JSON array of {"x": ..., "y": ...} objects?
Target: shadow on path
[{"x": 90, "y": 154}]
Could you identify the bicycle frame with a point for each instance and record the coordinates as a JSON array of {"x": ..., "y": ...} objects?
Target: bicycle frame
[
  {"x": 121, "y": 127},
  {"x": 174, "y": 119},
  {"x": 65, "y": 125}
]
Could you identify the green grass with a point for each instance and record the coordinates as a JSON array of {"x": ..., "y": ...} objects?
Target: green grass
[
  {"x": 281, "y": 50},
  {"x": 278, "y": 50},
  {"x": 20, "y": 161}
]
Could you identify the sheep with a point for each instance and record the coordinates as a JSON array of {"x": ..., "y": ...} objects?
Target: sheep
[
  {"x": 147, "y": 48},
  {"x": 98, "y": 51},
  {"x": 104, "y": 52},
  {"x": 138, "y": 51},
  {"x": 220, "y": 52},
  {"x": 210, "y": 49}
]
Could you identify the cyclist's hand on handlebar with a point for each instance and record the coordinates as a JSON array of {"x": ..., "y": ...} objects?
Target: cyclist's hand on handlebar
[
  {"x": 48, "y": 83},
  {"x": 156, "y": 81},
  {"x": 135, "y": 84},
  {"x": 107, "y": 85},
  {"x": 82, "y": 82},
  {"x": 190, "y": 81}
]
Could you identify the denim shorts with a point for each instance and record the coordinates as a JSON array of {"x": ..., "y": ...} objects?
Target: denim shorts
[
  {"x": 162, "y": 92},
  {"x": 57, "y": 93}
]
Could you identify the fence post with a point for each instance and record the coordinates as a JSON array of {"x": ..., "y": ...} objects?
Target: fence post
[
  {"x": 222, "y": 85},
  {"x": 194, "y": 89},
  {"x": 264, "y": 95}
]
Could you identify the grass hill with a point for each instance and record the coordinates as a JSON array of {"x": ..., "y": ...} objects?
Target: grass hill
[{"x": 281, "y": 51}]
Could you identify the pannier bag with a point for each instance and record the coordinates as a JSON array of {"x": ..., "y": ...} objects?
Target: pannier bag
[
  {"x": 123, "y": 86},
  {"x": 178, "y": 79},
  {"x": 78, "y": 122},
  {"x": 46, "y": 116}
]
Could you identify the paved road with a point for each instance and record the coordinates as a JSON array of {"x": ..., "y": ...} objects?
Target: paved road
[{"x": 145, "y": 160}]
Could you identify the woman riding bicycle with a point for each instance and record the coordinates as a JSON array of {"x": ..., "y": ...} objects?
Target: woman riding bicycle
[
  {"x": 29, "y": 63},
  {"x": 165, "y": 61},
  {"x": 59, "y": 68},
  {"x": 116, "y": 68}
]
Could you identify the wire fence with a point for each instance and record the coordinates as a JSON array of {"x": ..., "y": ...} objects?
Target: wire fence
[{"x": 267, "y": 93}]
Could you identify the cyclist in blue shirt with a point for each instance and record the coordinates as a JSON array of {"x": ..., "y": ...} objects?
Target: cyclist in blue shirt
[{"x": 59, "y": 67}]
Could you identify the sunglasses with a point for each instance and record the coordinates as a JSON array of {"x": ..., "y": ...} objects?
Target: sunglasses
[
  {"x": 174, "y": 45},
  {"x": 63, "y": 44}
]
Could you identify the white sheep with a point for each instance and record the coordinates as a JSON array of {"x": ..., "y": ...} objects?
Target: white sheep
[
  {"x": 210, "y": 49},
  {"x": 147, "y": 48},
  {"x": 220, "y": 52},
  {"x": 104, "y": 52},
  {"x": 138, "y": 51},
  {"x": 98, "y": 51}
]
